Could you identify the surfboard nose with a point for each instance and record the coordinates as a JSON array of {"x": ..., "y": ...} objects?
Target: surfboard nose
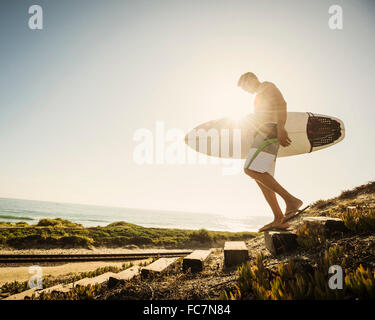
[{"x": 191, "y": 140}]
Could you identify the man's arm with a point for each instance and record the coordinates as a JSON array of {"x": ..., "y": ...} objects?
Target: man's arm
[
  {"x": 282, "y": 135},
  {"x": 281, "y": 115}
]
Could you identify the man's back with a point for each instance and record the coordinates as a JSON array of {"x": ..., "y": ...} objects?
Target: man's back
[{"x": 267, "y": 102}]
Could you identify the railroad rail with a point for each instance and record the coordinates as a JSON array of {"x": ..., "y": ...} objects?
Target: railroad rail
[{"x": 22, "y": 258}]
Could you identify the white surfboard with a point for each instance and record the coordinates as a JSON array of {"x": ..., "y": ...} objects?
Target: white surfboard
[{"x": 228, "y": 138}]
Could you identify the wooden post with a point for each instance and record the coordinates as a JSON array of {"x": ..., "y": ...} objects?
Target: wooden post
[{"x": 235, "y": 252}]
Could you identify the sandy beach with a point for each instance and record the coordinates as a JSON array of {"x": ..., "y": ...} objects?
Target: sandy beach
[
  {"x": 100, "y": 250},
  {"x": 20, "y": 273}
]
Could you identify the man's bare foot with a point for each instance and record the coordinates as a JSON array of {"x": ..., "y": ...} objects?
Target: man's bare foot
[
  {"x": 293, "y": 206},
  {"x": 277, "y": 224}
]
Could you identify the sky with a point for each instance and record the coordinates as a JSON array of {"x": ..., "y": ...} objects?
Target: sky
[{"x": 74, "y": 94}]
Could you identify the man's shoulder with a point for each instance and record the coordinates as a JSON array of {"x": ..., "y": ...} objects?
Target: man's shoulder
[
  {"x": 268, "y": 83},
  {"x": 269, "y": 93},
  {"x": 268, "y": 87}
]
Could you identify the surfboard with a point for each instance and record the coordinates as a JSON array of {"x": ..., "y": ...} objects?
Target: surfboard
[{"x": 228, "y": 138}]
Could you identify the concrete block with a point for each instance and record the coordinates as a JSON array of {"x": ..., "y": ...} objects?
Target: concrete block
[
  {"x": 195, "y": 260},
  {"x": 37, "y": 292},
  {"x": 60, "y": 288},
  {"x": 329, "y": 225},
  {"x": 96, "y": 280},
  {"x": 278, "y": 242},
  {"x": 158, "y": 267},
  {"x": 21, "y": 295},
  {"x": 123, "y": 276},
  {"x": 235, "y": 252},
  {"x": 128, "y": 274}
]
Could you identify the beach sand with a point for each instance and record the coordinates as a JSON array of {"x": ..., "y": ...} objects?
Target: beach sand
[
  {"x": 98, "y": 250},
  {"x": 20, "y": 274}
]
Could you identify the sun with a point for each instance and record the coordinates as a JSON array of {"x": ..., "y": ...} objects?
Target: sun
[
  {"x": 242, "y": 106},
  {"x": 238, "y": 116}
]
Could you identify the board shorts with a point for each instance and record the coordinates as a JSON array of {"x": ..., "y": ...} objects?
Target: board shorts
[{"x": 263, "y": 151}]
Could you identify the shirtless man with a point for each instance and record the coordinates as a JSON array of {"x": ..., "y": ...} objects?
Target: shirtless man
[{"x": 270, "y": 112}]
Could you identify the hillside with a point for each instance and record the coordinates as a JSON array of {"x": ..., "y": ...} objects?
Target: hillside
[
  {"x": 300, "y": 274},
  {"x": 63, "y": 234}
]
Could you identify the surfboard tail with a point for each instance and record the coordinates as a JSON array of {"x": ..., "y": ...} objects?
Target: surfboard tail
[{"x": 324, "y": 131}]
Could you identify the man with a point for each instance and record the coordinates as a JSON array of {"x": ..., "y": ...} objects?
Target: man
[{"x": 270, "y": 112}]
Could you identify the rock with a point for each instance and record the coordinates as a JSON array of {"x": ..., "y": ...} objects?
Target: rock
[
  {"x": 235, "y": 252},
  {"x": 330, "y": 226},
  {"x": 279, "y": 242},
  {"x": 195, "y": 260}
]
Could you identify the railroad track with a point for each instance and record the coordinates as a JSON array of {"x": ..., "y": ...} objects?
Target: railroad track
[{"x": 18, "y": 258}]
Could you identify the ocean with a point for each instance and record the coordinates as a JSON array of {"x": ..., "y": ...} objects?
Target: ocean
[{"x": 30, "y": 211}]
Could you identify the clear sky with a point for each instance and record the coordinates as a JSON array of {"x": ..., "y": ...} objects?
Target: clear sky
[{"x": 74, "y": 93}]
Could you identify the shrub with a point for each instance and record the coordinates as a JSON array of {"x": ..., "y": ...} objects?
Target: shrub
[
  {"x": 360, "y": 220},
  {"x": 77, "y": 293},
  {"x": 119, "y": 224},
  {"x": 115, "y": 234},
  {"x": 3, "y": 240},
  {"x": 361, "y": 283},
  {"x": 368, "y": 188},
  {"x": 22, "y": 224},
  {"x": 26, "y": 241},
  {"x": 201, "y": 235},
  {"x": 310, "y": 237},
  {"x": 140, "y": 240},
  {"x": 48, "y": 222},
  {"x": 14, "y": 287},
  {"x": 58, "y": 222},
  {"x": 75, "y": 241},
  {"x": 294, "y": 280},
  {"x": 321, "y": 204},
  {"x": 5, "y": 224}
]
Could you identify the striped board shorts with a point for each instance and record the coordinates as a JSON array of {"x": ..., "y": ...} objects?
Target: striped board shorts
[{"x": 263, "y": 151}]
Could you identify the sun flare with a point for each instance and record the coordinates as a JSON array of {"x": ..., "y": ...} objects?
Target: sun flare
[{"x": 238, "y": 116}]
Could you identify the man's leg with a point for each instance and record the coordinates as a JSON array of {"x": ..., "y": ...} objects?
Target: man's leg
[
  {"x": 270, "y": 196},
  {"x": 292, "y": 203},
  {"x": 260, "y": 165}
]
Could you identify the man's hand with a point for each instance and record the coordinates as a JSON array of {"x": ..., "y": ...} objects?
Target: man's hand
[{"x": 283, "y": 137}]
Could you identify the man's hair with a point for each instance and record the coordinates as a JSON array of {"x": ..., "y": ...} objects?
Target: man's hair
[{"x": 245, "y": 77}]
